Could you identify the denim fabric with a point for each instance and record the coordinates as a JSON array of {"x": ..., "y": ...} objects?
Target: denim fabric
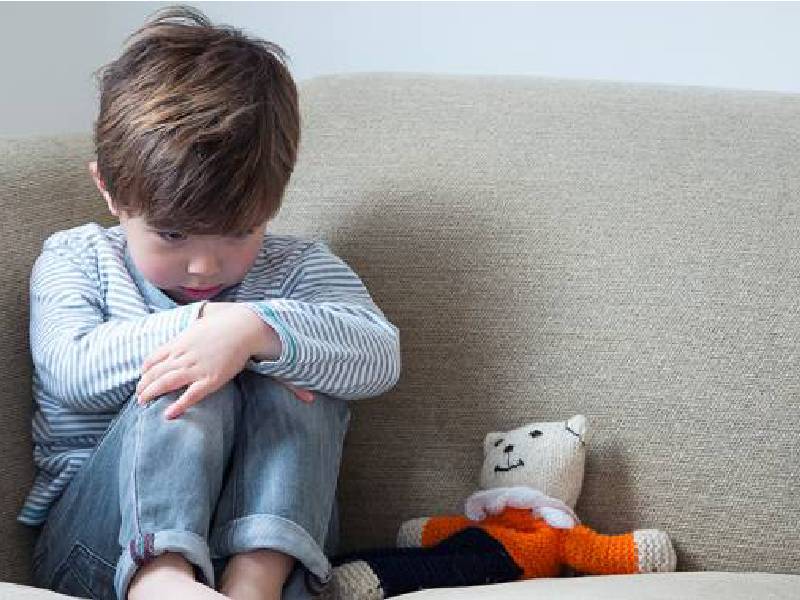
[{"x": 250, "y": 466}]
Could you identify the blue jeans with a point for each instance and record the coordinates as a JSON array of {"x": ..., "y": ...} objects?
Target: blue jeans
[{"x": 250, "y": 466}]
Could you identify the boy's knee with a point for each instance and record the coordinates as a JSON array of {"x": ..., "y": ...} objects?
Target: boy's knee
[
  {"x": 264, "y": 388},
  {"x": 216, "y": 409},
  {"x": 261, "y": 393}
]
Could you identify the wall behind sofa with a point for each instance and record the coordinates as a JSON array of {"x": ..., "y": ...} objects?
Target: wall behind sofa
[{"x": 48, "y": 50}]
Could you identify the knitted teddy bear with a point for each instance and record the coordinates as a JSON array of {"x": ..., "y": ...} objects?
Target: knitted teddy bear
[{"x": 520, "y": 525}]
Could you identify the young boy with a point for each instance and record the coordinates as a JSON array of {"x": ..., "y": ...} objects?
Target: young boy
[{"x": 191, "y": 374}]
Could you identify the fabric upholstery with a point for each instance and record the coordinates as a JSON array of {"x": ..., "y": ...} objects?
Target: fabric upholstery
[
  {"x": 552, "y": 247},
  {"x": 659, "y": 586},
  {"x": 546, "y": 247}
]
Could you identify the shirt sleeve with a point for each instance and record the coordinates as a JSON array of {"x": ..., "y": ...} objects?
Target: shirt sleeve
[
  {"x": 334, "y": 339},
  {"x": 83, "y": 361}
]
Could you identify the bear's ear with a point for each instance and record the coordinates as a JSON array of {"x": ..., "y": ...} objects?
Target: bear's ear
[
  {"x": 490, "y": 440},
  {"x": 579, "y": 426}
]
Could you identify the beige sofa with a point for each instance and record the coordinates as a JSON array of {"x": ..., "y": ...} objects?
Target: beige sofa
[{"x": 546, "y": 247}]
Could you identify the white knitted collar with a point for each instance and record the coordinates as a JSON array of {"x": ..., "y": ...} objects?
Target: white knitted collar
[{"x": 496, "y": 500}]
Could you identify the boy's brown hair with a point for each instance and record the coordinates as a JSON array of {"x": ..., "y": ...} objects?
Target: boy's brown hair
[{"x": 199, "y": 125}]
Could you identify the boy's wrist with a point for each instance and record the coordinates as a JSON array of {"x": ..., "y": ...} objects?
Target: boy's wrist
[
  {"x": 264, "y": 343},
  {"x": 261, "y": 340}
]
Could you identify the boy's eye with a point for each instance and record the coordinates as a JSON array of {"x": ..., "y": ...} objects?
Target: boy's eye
[{"x": 172, "y": 236}]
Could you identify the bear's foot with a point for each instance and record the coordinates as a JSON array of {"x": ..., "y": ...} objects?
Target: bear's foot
[
  {"x": 352, "y": 581},
  {"x": 410, "y": 533},
  {"x": 654, "y": 551}
]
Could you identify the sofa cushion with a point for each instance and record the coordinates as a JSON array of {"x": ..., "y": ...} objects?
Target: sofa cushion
[
  {"x": 45, "y": 185},
  {"x": 553, "y": 247},
  {"x": 13, "y": 591},
  {"x": 707, "y": 585},
  {"x": 546, "y": 247}
]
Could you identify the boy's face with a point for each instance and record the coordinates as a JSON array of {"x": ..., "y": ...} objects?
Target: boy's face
[{"x": 180, "y": 265}]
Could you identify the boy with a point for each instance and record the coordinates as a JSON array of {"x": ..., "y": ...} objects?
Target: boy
[{"x": 192, "y": 374}]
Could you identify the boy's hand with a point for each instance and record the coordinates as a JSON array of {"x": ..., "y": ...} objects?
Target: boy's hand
[{"x": 192, "y": 359}]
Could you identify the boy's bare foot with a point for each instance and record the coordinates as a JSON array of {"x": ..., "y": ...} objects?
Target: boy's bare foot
[
  {"x": 169, "y": 575},
  {"x": 256, "y": 575}
]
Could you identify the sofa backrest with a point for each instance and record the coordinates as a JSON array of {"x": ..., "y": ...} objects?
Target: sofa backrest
[
  {"x": 546, "y": 247},
  {"x": 44, "y": 186}
]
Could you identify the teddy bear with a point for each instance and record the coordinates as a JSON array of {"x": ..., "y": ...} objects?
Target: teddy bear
[{"x": 521, "y": 524}]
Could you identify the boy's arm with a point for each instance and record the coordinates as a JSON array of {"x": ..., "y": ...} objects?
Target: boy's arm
[
  {"x": 83, "y": 362},
  {"x": 334, "y": 339}
]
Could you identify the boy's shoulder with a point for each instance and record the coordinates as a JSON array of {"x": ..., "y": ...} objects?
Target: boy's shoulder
[
  {"x": 84, "y": 237},
  {"x": 85, "y": 247},
  {"x": 284, "y": 255},
  {"x": 289, "y": 248},
  {"x": 287, "y": 242}
]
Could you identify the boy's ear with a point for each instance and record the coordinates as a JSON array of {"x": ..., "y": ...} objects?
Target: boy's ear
[
  {"x": 96, "y": 176},
  {"x": 101, "y": 186}
]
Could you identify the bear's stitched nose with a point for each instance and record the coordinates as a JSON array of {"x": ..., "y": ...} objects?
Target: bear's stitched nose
[{"x": 509, "y": 448}]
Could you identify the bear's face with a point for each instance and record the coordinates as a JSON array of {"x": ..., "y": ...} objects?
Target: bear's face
[{"x": 546, "y": 456}]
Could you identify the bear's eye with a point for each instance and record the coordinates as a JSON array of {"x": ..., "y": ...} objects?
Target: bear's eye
[
  {"x": 535, "y": 433},
  {"x": 498, "y": 442}
]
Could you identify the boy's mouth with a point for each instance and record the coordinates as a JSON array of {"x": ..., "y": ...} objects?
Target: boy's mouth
[{"x": 201, "y": 292}]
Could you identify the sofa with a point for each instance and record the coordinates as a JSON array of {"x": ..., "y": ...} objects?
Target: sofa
[{"x": 547, "y": 247}]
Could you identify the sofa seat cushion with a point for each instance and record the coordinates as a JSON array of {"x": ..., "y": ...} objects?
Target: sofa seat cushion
[
  {"x": 703, "y": 585},
  {"x": 13, "y": 591}
]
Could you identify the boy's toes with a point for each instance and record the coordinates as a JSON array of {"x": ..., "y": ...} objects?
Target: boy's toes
[
  {"x": 352, "y": 581},
  {"x": 654, "y": 551}
]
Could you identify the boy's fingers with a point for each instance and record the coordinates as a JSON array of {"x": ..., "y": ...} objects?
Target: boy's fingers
[
  {"x": 154, "y": 370},
  {"x": 166, "y": 372},
  {"x": 304, "y": 395},
  {"x": 155, "y": 357},
  {"x": 193, "y": 394},
  {"x": 164, "y": 384}
]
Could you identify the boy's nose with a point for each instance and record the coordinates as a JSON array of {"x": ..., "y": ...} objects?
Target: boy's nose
[{"x": 204, "y": 266}]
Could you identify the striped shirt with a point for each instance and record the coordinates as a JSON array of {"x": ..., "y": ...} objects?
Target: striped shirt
[{"x": 94, "y": 319}]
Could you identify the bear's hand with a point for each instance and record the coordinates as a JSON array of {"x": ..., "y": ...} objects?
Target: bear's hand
[
  {"x": 410, "y": 533},
  {"x": 654, "y": 551}
]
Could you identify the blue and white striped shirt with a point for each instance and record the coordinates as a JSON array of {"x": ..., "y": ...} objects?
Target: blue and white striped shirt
[{"x": 94, "y": 319}]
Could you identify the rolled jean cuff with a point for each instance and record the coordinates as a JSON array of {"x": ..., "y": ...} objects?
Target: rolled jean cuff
[
  {"x": 273, "y": 532},
  {"x": 143, "y": 549}
]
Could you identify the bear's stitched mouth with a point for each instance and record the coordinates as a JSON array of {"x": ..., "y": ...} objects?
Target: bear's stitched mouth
[{"x": 510, "y": 466}]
